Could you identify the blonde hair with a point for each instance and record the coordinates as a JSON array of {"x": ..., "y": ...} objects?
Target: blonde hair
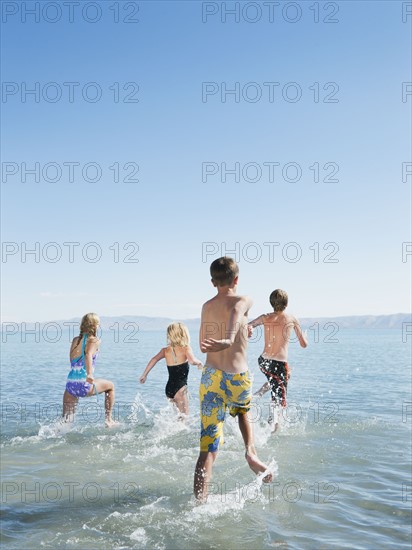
[
  {"x": 89, "y": 325},
  {"x": 178, "y": 335}
]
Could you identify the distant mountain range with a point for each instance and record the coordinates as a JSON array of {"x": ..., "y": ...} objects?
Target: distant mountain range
[
  {"x": 394, "y": 321},
  {"x": 355, "y": 321},
  {"x": 362, "y": 321}
]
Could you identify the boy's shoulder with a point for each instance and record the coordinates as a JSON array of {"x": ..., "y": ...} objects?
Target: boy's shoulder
[
  {"x": 290, "y": 318},
  {"x": 230, "y": 301},
  {"x": 279, "y": 316},
  {"x": 239, "y": 298},
  {"x": 208, "y": 302},
  {"x": 246, "y": 300}
]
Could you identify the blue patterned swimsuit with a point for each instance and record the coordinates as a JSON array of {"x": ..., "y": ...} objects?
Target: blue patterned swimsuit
[{"x": 76, "y": 383}]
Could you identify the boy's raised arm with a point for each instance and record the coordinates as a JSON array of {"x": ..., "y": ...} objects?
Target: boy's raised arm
[
  {"x": 303, "y": 340},
  {"x": 256, "y": 322}
]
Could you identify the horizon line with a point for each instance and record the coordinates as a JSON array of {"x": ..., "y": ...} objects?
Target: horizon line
[{"x": 198, "y": 318}]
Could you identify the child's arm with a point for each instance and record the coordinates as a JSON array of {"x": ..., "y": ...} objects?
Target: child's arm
[
  {"x": 75, "y": 343},
  {"x": 302, "y": 336},
  {"x": 192, "y": 359},
  {"x": 241, "y": 307},
  {"x": 91, "y": 348},
  {"x": 201, "y": 331},
  {"x": 255, "y": 323},
  {"x": 151, "y": 364}
]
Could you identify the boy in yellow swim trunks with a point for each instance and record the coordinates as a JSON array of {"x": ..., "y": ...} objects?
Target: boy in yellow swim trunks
[{"x": 225, "y": 380}]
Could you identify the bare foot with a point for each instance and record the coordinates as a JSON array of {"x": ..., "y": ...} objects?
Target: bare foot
[
  {"x": 273, "y": 420},
  {"x": 182, "y": 417},
  {"x": 275, "y": 427},
  {"x": 200, "y": 500},
  {"x": 110, "y": 423},
  {"x": 258, "y": 466}
]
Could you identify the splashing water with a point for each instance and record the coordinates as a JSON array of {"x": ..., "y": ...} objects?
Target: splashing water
[{"x": 140, "y": 413}]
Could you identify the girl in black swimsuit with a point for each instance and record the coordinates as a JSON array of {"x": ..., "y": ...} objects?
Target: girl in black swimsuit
[{"x": 178, "y": 355}]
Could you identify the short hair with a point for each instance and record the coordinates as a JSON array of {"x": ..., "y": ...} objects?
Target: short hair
[
  {"x": 279, "y": 299},
  {"x": 178, "y": 335},
  {"x": 224, "y": 271}
]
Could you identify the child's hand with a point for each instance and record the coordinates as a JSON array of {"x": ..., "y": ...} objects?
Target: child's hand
[
  {"x": 143, "y": 379},
  {"x": 90, "y": 378},
  {"x": 200, "y": 366},
  {"x": 210, "y": 344},
  {"x": 249, "y": 331}
]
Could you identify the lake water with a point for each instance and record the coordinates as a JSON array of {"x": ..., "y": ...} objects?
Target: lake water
[{"x": 343, "y": 456}]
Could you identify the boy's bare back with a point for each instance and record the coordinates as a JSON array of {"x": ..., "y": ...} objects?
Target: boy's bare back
[
  {"x": 223, "y": 331},
  {"x": 278, "y": 327}
]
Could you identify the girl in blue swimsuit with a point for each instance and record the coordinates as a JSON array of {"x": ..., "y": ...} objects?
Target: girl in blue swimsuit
[
  {"x": 178, "y": 355},
  {"x": 80, "y": 381}
]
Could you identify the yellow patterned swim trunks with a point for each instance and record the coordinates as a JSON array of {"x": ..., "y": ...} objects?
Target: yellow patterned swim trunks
[{"x": 218, "y": 391}]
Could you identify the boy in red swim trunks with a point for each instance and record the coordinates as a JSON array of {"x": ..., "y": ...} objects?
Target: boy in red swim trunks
[{"x": 273, "y": 361}]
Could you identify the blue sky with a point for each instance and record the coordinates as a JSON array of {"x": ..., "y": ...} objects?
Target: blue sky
[{"x": 169, "y": 215}]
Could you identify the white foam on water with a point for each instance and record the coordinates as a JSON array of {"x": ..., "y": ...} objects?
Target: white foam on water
[
  {"x": 19, "y": 440},
  {"x": 139, "y": 535},
  {"x": 167, "y": 431},
  {"x": 216, "y": 505},
  {"x": 291, "y": 420},
  {"x": 86, "y": 527},
  {"x": 272, "y": 468},
  {"x": 140, "y": 413},
  {"x": 55, "y": 429},
  {"x": 118, "y": 436},
  {"x": 154, "y": 451},
  {"x": 262, "y": 434},
  {"x": 119, "y": 515},
  {"x": 71, "y": 541},
  {"x": 154, "y": 504},
  {"x": 231, "y": 501},
  {"x": 130, "y": 458},
  {"x": 167, "y": 424}
]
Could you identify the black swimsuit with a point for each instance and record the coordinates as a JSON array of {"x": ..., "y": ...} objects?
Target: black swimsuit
[{"x": 177, "y": 379}]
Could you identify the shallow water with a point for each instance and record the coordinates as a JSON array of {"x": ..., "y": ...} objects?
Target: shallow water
[{"x": 343, "y": 456}]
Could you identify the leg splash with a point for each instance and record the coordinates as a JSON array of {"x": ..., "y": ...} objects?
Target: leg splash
[{"x": 257, "y": 466}]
